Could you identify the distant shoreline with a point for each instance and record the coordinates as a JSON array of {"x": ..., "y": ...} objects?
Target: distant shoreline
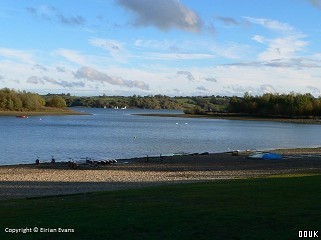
[
  {"x": 42, "y": 113},
  {"x": 236, "y": 117}
]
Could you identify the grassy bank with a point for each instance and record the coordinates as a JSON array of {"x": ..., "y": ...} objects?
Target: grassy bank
[
  {"x": 238, "y": 117},
  {"x": 269, "y": 208},
  {"x": 47, "y": 111}
]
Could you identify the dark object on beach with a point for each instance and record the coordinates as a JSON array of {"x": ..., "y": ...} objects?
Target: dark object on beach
[
  {"x": 235, "y": 153},
  {"x": 53, "y": 160},
  {"x": 89, "y": 161},
  {"x": 194, "y": 154},
  {"x": 102, "y": 162},
  {"x": 37, "y": 161},
  {"x": 161, "y": 157},
  {"x": 110, "y": 161},
  {"x": 72, "y": 164}
]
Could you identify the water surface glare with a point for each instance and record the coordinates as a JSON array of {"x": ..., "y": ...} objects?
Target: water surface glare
[{"x": 110, "y": 133}]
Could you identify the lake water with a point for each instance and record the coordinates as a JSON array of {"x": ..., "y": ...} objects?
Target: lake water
[{"x": 110, "y": 133}]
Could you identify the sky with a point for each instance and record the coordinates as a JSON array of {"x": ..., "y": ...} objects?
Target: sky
[{"x": 168, "y": 47}]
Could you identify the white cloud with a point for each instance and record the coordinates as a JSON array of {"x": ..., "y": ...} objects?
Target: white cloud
[
  {"x": 114, "y": 48},
  {"x": 202, "y": 89},
  {"x": 210, "y": 79},
  {"x": 23, "y": 56},
  {"x": 107, "y": 44},
  {"x": 271, "y": 24},
  {"x": 253, "y": 90},
  {"x": 230, "y": 50},
  {"x": 177, "y": 56},
  {"x": 267, "y": 88},
  {"x": 235, "y": 80},
  {"x": 172, "y": 50},
  {"x": 35, "y": 80},
  {"x": 287, "y": 45},
  {"x": 40, "y": 67},
  {"x": 237, "y": 89},
  {"x": 314, "y": 90},
  {"x": 187, "y": 74},
  {"x": 50, "y": 13},
  {"x": 259, "y": 39},
  {"x": 151, "y": 50},
  {"x": 72, "y": 56},
  {"x": 45, "y": 80},
  {"x": 94, "y": 75},
  {"x": 229, "y": 21},
  {"x": 155, "y": 44},
  {"x": 62, "y": 69}
]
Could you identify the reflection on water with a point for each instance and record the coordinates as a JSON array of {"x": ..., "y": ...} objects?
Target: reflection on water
[{"x": 119, "y": 134}]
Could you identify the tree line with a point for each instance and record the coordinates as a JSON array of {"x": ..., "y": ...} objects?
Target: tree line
[
  {"x": 269, "y": 104},
  {"x": 214, "y": 103},
  {"x": 12, "y": 100},
  {"x": 286, "y": 105},
  {"x": 293, "y": 104},
  {"x": 147, "y": 102}
]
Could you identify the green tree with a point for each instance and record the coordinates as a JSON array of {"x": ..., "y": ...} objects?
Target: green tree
[{"x": 56, "y": 102}]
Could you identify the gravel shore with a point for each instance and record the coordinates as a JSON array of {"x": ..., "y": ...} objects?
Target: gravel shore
[{"x": 21, "y": 181}]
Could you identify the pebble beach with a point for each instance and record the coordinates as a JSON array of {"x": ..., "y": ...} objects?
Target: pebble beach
[{"x": 46, "y": 179}]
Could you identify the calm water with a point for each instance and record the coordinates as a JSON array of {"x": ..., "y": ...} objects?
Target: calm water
[{"x": 118, "y": 134}]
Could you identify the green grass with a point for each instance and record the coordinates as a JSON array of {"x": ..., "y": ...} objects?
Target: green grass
[{"x": 269, "y": 208}]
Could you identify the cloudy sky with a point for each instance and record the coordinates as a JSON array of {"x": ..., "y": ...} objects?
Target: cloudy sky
[{"x": 171, "y": 47}]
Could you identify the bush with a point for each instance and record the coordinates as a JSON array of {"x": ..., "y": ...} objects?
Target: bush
[{"x": 56, "y": 102}]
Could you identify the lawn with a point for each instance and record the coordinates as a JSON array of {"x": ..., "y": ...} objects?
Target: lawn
[{"x": 267, "y": 208}]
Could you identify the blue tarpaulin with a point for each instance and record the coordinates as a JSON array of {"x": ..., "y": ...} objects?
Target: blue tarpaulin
[
  {"x": 271, "y": 156},
  {"x": 266, "y": 156}
]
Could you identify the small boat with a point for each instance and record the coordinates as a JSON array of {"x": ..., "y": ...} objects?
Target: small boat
[{"x": 22, "y": 116}]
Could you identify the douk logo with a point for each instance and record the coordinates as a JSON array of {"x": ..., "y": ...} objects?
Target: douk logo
[{"x": 308, "y": 234}]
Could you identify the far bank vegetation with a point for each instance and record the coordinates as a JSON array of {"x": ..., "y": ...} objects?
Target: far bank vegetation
[
  {"x": 293, "y": 105},
  {"x": 12, "y": 100},
  {"x": 269, "y": 104}
]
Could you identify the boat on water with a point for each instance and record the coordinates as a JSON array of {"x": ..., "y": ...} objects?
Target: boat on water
[{"x": 22, "y": 116}]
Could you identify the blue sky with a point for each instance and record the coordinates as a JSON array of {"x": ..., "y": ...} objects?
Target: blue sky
[{"x": 170, "y": 47}]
